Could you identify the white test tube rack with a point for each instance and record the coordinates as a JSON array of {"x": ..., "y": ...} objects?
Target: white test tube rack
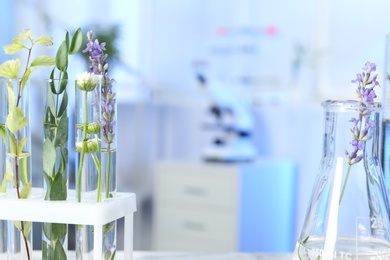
[{"x": 36, "y": 209}]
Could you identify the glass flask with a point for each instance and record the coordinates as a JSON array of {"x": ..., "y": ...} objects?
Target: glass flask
[{"x": 348, "y": 214}]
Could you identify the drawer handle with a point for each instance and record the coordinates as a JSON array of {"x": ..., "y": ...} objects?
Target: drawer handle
[
  {"x": 193, "y": 226},
  {"x": 195, "y": 191}
]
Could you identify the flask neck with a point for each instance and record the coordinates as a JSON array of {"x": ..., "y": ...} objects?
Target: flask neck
[{"x": 352, "y": 132}]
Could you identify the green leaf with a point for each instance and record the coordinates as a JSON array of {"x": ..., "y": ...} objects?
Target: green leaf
[
  {"x": 14, "y": 47},
  {"x": 10, "y": 69},
  {"x": 63, "y": 82},
  {"x": 63, "y": 161},
  {"x": 49, "y": 157},
  {"x": 64, "y": 104},
  {"x": 25, "y": 191},
  {"x": 45, "y": 40},
  {"x": 50, "y": 101},
  {"x": 47, "y": 250},
  {"x": 54, "y": 231},
  {"x": 59, "y": 252},
  {"x": 43, "y": 60},
  {"x": 49, "y": 181},
  {"x": 16, "y": 120},
  {"x": 58, "y": 189},
  {"x": 76, "y": 42},
  {"x": 62, "y": 57},
  {"x": 62, "y": 132}
]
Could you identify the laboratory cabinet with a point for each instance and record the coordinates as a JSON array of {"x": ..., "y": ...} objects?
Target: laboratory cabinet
[{"x": 245, "y": 207}]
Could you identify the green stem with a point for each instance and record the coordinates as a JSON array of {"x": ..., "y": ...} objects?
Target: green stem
[
  {"x": 345, "y": 184},
  {"x": 99, "y": 184},
  {"x": 108, "y": 176},
  {"x": 84, "y": 147}
]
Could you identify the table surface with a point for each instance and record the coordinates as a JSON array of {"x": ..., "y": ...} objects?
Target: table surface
[{"x": 150, "y": 255}]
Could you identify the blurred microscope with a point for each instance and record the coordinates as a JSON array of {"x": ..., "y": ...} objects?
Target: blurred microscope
[{"x": 229, "y": 119}]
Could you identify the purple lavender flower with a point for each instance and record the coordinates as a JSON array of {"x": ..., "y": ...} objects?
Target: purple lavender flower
[
  {"x": 99, "y": 66},
  {"x": 360, "y": 131}
]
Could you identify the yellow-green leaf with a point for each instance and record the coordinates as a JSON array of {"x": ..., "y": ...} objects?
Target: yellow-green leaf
[
  {"x": 9, "y": 173},
  {"x": 16, "y": 120},
  {"x": 11, "y": 97},
  {"x": 10, "y": 69},
  {"x": 27, "y": 228},
  {"x": 15, "y": 46},
  {"x": 25, "y": 191},
  {"x": 45, "y": 40},
  {"x": 25, "y": 34},
  {"x": 43, "y": 60},
  {"x": 21, "y": 144},
  {"x": 26, "y": 76}
]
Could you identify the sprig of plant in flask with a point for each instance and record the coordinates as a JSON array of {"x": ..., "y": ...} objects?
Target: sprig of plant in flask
[
  {"x": 87, "y": 82},
  {"x": 16, "y": 120},
  {"x": 366, "y": 82},
  {"x": 99, "y": 66},
  {"x": 55, "y": 148}
]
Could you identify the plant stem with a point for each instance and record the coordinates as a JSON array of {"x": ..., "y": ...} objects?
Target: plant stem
[
  {"x": 83, "y": 148},
  {"x": 108, "y": 175},
  {"x": 99, "y": 184},
  {"x": 345, "y": 183}
]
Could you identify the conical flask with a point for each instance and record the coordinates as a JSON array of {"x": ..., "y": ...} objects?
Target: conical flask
[{"x": 348, "y": 214}]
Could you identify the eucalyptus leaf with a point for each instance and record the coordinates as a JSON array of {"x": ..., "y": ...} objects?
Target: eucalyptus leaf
[
  {"x": 47, "y": 250},
  {"x": 59, "y": 252},
  {"x": 50, "y": 101},
  {"x": 58, "y": 189},
  {"x": 51, "y": 83},
  {"x": 63, "y": 161},
  {"x": 77, "y": 41},
  {"x": 62, "y": 57},
  {"x": 48, "y": 181},
  {"x": 54, "y": 231},
  {"x": 63, "y": 82},
  {"x": 49, "y": 157},
  {"x": 62, "y": 131},
  {"x": 64, "y": 105},
  {"x": 49, "y": 120}
]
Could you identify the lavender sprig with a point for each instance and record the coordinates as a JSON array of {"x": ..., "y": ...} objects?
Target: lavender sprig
[
  {"x": 366, "y": 82},
  {"x": 99, "y": 66}
]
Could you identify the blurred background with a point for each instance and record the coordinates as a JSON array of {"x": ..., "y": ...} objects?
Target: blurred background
[{"x": 265, "y": 65}]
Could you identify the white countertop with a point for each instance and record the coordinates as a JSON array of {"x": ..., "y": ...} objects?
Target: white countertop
[{"x": 149, "y": 255}]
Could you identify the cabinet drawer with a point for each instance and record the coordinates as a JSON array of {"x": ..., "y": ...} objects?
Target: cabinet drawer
[
  {"x": 208, "y": 185},
  {"x": 203, "y": 229}
]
